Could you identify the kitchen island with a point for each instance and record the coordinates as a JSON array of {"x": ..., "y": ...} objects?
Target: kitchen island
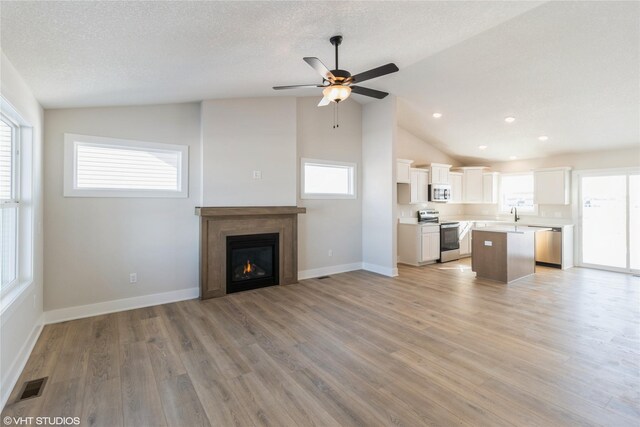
[{"x": 504, "y": 252}]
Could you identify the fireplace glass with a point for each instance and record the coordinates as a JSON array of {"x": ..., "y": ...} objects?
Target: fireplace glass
[{"x": 252, "y": 261}]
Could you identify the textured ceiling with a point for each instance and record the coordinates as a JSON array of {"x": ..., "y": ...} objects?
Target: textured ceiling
[
  {"x": 113, "y": 53},
  {"x": 569, "y": 70}
]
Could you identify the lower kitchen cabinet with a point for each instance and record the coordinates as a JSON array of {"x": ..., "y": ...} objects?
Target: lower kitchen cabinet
[
  {"x": 418, "y": 244},
  {"x": 465, "y": 238},
  {"x": 430, "y": 243}
]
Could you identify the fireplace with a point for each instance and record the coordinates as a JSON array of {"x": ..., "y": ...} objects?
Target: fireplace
[
  {"x": 219, "y": 223},
  {"x": 252, "y": 261}
]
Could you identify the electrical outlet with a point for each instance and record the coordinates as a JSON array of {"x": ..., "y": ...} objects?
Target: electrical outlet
[
  {"x": 257, "y": 174},
  {"x": 330, "y": 253},
  {"x": 133, "y": 278}
]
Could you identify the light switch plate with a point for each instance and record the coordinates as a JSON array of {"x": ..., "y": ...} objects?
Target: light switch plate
[
  {"x": 257, "y": 174},
  {"x": 488, "y": 243}
]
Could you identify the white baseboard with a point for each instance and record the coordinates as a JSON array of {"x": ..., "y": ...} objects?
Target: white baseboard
[
  {"x": 326, "y": 271},
  {"x": 385, "y": 271},
  {"x": 81, "y": 311},
  {"x": 20, "y": 361}
]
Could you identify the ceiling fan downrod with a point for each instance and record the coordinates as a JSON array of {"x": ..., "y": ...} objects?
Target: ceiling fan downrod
[{"x": 336, "y": 40}]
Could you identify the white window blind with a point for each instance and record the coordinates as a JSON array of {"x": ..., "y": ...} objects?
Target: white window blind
[
  {"x": 8, "y": 204},
  {"x": 128, "y": 168},
  {"x": 327, "y": 180},
  {"x": 6, "y": 161},
  {"x": 120, "y": 168}
]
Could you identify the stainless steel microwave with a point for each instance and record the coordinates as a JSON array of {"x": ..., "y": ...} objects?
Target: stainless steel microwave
[{"x": 439, "y": 192}]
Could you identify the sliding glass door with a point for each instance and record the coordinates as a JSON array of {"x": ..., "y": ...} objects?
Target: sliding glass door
[
  {"x": 610, "y": 219},
  {"x": 634, "y": 221}
]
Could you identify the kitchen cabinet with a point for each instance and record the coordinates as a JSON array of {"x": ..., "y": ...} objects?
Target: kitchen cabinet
[
  {"x": 490, "y": 187},
  {"x": 552, "y": 186},
  {"x": 430, "y": 243},
  {"x": 418, "y": 244},
  {"x": 403, "y": 171},
  {"x": 439, "y": 173},
  {"x": 455, "y": 178},
  {"x": 473, "y": 185},
  {"x": 417, "y": 191},
  {"x": 465, "y": 238}
]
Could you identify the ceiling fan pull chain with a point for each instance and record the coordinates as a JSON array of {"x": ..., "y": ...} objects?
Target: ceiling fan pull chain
[
  {"x": 336, "y": 123},
  {"x": 337, "y": 115}
]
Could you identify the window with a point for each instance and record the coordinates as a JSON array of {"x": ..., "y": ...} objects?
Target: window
[
  {"x": 322, "y": 179},
  {"x": 516, "y": 190},
  {"x": 9, "y": 202},
  {"x": 106, "y": 167}
]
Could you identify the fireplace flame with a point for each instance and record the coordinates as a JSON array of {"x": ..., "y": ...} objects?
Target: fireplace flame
[{"x": 247, "y": 267}]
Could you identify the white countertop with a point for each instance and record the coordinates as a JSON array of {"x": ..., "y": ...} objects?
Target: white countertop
[
  {"x": 542, "y": 222},
  {"x": 518, "y": 229},
  {"x": 493, "y": 220}
]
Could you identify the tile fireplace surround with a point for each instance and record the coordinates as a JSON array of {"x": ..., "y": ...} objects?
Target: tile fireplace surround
[{"x": 216, "y": 223}]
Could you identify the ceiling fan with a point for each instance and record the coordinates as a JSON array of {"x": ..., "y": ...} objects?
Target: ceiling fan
[{"x": 339, "y": 84}]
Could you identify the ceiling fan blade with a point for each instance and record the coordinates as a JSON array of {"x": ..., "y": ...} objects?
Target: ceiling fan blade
[
  {"x": 322, "y": 69},
  {"x": 295, "y": 86},
  {"x": 375, "y": 72},
  {"x": 324, "y": 101},
  {"x": 368, "y": 92}
]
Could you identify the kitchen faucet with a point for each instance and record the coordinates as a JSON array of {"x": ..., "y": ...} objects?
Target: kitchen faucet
[{"x": 514, "y": 211}]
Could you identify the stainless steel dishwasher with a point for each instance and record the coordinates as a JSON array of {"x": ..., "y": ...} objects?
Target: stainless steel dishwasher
[{"x": 549, "y": 246}]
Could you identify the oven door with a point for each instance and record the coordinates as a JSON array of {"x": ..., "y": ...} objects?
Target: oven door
[{"x": 449, "y": 240}]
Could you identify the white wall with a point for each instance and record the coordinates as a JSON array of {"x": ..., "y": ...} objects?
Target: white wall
[
  {"x": 379, "y": 129},
  {"x": 21, "y": 318},
  {"x": 421, "y": 152},
  {"x": 240, "y": 136},
  {"x": 92, "y": 244},
  {"x": 334, "y": 225}
]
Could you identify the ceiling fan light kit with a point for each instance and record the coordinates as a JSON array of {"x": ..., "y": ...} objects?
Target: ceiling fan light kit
[
  {"x": 339, "y": 84},
  {"x": 337, "y": 93}
]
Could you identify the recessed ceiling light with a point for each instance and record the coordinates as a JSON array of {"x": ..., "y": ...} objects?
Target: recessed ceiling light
[
  {"x": 482, "y": 147},
  {"x": 512, "y": 158},
  {"x": 509, "y": 119},
  {"x": 543, "y": 138},
  {"x": 437, "y": 115}
]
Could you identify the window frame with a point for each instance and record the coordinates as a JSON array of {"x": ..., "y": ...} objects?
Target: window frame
[
  {"x": 353, "y": 180},
  {"x": 506, "y": 210},
  {"x": 14, "y": 201},
  {"x": 71, "y": 141}
]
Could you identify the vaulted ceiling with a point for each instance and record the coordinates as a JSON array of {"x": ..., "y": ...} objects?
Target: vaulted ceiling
[{"x": 568, "y": 70}]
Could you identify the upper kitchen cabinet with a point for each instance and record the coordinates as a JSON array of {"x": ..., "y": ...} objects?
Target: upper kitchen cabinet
[
  {"x": 455, "y": 179},
  {"x": 490, "y": 187},
  {"x": 552, "y": 186},
  {"x": 417, "y": 191},
  {"x": 403, "y": 168},
  {"x": 439, "y": 173},
  {"x": 473, "y": 184}
]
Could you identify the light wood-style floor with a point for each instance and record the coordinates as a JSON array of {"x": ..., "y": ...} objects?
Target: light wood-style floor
[{"x": 434, "y": 346}]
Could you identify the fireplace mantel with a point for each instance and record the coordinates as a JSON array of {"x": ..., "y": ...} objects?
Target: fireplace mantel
[
  {"x": 216, "y": 223},
  {"x": 257, "y": 210}
]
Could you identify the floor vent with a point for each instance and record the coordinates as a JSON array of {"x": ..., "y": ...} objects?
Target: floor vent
[
  {"x": 32, "y": 388},
  {"x": 323, "y": 277}
]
